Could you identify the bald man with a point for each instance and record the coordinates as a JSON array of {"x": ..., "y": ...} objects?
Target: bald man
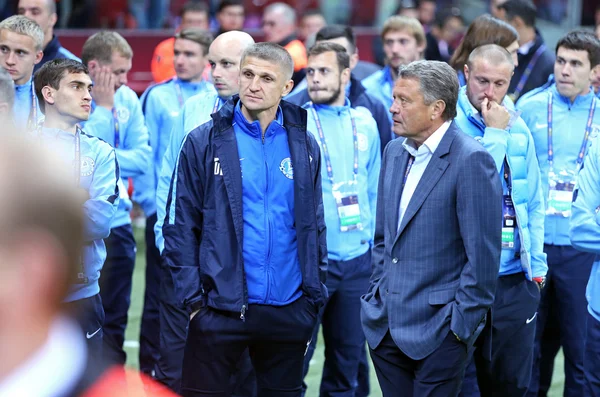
[
  {"x": 224, "y": 56},
  {"x": 43, "y": 12},
  {"x": 279, "y": 26}
]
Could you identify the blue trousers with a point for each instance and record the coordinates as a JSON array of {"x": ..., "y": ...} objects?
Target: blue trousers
[
  {"x": 115, "y": 290},
  {"x": 89, "y": 314},
  {"x": 344, "y": 339},
  {"x": 276, "y": 338},
  {"x": 514, "y": 315},
  {"x": 150, "y": 325},
  {"x": 592, "y": 357},
  {"x": 561, "y": 320}
]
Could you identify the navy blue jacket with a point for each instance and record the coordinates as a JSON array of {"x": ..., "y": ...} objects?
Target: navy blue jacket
[
  {"x": 359, "y": 97},
  {"x": 203, "y": 228}
]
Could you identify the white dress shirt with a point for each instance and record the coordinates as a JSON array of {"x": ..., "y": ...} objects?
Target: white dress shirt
[
  {"x": 54, "y": 369},
  {"x": 422, "y": 156}
]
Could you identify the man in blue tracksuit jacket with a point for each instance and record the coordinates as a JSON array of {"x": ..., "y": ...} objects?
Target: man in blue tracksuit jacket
[
  {"x": 344, "y": 35},
  {"x": 117, "y": 119},
  {"x": 562, "y": 118},
  {"x": 224, "y": 55},
  {"x": 245, "y": 236},
  {"x": 161, "y": 105},
  {"x": 585, "y": 236},
  {"x": 506, "y": 369},
  {"x": 349, "y": 143},
  {"x": 61, "y": 87},
  {"x": 21, "y": 40}
]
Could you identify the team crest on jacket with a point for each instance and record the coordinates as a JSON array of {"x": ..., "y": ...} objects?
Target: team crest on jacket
[
  {"x": 363, "y": 143},
  {"x": 286, "y": 168},
  {"x": 123, "y": 114},
  {"x": 87, "y": 166}
]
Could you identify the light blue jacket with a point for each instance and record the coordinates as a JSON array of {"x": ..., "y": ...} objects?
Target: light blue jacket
[
  {"x": 24, "y": 97},
  {"x": 585, "y": 220},
  {"x": 161, "y": 105},
  {"x": 99, "y": 173},
  {"x": 337, "y": 130},
  {"x": 517, "y": 146},
  {"x": 380, "y": 85},
  {"x": 196, "y": 111},
  {"x": 133, "y": 152},
  {"x": 568, "y": 125}
]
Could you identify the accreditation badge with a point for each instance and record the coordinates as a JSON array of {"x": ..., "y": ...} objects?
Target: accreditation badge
[
  {"x": 509, "y": 222},
  {"x": 346, "y": 199},
  {"x": 560, "y": 194}
]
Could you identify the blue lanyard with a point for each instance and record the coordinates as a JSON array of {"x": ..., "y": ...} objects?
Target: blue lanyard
[
  {"x": 326, "y": 151},
  {"x": 411, "y": 160},
  {"x": 77, "y": 165},
  {"x": 507, "y": 177},
  {"x": 32, "y": 120},
  {"x": 586, "y": 136},
  {"x": 116, "y": 127},
  {"x": 527, "y": 72}
]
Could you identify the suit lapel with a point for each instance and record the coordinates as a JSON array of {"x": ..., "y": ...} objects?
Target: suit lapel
[
  {"x": 227, "y": 151},
  {"x": 434, "y": 171},
  {"x": 395, "y": 180}
]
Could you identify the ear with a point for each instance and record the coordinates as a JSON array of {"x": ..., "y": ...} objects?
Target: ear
[
  {"x": 437, "y": 109},
  {"x": 288, "y": 87},
  {"x": 517, "y": 22},
  {"x": 48, "y": 93},
  {"x": 353, "y": 60},
  {"x": 466, "y": 72},
  {"x": 345, "y": 76},
  {"x": 38, "y": 57},
  {"x": 93, "y": 65},
  {"x": 53, "y": 19}
]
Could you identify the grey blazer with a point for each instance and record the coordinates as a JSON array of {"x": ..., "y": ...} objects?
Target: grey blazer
[{"x": 436, "y": 273}]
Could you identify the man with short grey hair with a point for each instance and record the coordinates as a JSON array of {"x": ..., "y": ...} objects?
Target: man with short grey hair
[
  {"x": 428, "y": 298},
  {"x": 247, "y": 255},
  {"x": 7, "y": 96}
]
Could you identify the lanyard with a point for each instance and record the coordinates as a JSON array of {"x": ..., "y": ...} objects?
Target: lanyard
[
  {"x": 77, "y": 165},
  {"x": 326, "y": 151},
  {"x": 179, "y": 94},
  {"x": 528, "y": 70},
  {"x": 586, "y": 136},
  {"x": 216, "y": 107},
  {"x": 507, "y": 177},
  {"x": 32, "y": 120},
  {"x": 116, "y": 127}
]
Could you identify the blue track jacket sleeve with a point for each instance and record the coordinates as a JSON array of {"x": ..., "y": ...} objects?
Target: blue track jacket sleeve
[
  {"x": 182, "y": 228},
  {"x": 103, "y": 201},
  {"x": 585, "y": 218},
  {"x": 373, "y": 169},
  {"x": 496, "y": 143},
  {"x": 166, "y": 172},
  {"x": 537, "y": 211},
  {"x": 134, "y": 154},
  {"x": 321, "y": 227},
  {"x": 479, "y": 212}
]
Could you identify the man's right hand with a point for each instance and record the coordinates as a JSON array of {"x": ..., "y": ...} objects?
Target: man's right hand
[
  {"x": 193, "y": 314},
  {"x": 103, "y": 91},
  {"x": 494, "y": 115}
]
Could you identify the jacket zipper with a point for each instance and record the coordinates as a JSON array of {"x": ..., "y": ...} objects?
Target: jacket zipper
[
  {"x": 269, "y": 234},
  {"x": 518, "y": 220}
]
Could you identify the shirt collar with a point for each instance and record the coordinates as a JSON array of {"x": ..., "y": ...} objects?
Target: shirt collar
[
  {"x": 430, "y": 144},
  {"x": 525, "y": 48}
]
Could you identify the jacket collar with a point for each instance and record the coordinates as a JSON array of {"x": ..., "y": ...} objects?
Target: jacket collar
[{"x": 253, "y": 128}]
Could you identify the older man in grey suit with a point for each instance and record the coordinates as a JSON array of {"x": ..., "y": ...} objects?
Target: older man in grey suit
[{"x": 437, "y": 241}]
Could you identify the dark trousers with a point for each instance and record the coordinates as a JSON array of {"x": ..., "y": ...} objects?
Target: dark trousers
[
  {"x": 275, "y": 336},
  {"x": 514, "y": 315},
  {"x": 344, "y": 339},
  {"x": 89, "y": 314},
  {"x": 150, "y": 325},
  {"x": 438, "y": 375},
  {"x": 173, "y": 333},
  {"x": 592, "y": 357},
  {"x": 115, "y": 290},
  {"x": 561, "y": 320}
]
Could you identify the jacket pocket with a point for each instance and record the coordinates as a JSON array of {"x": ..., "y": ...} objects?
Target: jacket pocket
[{"x": 444, "y": 295}]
